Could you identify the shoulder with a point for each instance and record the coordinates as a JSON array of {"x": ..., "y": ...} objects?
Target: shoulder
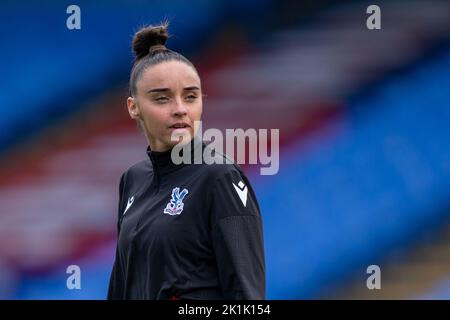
[
  {"x": 219, "y": 166},
  {"x": 136, "y": 171},
  {"x": 230, "y": 192},
  {"x": 224, "y": 174}
]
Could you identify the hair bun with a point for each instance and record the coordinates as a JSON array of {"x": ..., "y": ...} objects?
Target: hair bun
[{"x": 148, "y": 37}]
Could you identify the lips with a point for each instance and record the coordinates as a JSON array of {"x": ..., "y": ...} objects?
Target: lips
[{"x": 179, "y": 125}]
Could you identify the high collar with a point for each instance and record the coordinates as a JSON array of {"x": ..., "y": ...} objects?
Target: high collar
[{"x": 162, "y": 161}]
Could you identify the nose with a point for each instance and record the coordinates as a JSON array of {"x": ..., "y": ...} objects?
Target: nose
[{"x": 179, "y": 109}]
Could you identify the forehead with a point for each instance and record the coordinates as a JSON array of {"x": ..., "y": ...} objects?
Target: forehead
[{"x": 169, "y": 74}]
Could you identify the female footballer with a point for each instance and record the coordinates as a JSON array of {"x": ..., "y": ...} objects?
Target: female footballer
[{"x": 185, "y": 230}]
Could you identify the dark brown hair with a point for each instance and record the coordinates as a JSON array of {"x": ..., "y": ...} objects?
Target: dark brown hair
[{"x": 149, "y": 46}]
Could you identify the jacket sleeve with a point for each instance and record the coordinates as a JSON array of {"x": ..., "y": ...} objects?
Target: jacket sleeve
[
  {"x": 116, "y": 281},
  {"x": 237, "y": 236}
]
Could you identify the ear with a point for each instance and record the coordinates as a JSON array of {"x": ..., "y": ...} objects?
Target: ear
[{"x": 133, "y": 109}]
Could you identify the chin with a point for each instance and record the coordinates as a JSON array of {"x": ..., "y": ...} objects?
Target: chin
[{"x": 184, "y": 139}]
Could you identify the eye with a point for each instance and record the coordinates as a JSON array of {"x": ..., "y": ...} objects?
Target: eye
[
  {"x": 191, "y": 97},
  {"x": 161, "y": 99}
]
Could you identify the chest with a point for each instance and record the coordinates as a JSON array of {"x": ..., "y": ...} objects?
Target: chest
[{"x": 171, "y": 214}]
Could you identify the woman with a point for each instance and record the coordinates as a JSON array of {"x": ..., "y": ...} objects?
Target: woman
[{"x": 185, "y": 231}]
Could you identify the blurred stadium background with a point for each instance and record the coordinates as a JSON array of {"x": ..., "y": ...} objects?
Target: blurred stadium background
[{"x": 364, "y": 125}]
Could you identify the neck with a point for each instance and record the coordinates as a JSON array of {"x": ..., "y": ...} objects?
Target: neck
[
  {"x": 162, "y": 160},
  {"x": 157, "y": 146}
]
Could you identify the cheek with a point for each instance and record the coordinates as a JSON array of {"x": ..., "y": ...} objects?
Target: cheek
[
  {"x": 196, "y": 112},
  {"x": 156, "y": 118}
]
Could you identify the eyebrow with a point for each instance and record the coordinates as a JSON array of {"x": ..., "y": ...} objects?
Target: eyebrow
[{"x": 167, "y": 89}]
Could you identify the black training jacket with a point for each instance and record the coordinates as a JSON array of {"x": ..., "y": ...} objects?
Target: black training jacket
[{"x": 187, "y": 231}]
